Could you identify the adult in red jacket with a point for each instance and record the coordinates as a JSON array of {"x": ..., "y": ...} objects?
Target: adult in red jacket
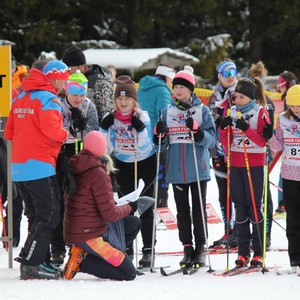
[
  {"x": 36, "y": 130},
  {"x": 92, "y": 221}
]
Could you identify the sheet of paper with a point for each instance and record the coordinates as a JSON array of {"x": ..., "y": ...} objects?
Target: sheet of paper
[{"x": 133, "y": 196}]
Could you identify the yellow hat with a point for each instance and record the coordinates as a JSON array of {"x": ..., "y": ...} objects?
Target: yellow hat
[{"x": 293, "y": 95}]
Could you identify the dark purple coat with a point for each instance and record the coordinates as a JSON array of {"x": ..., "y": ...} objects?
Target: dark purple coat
[{"x": 88, "y": 211}]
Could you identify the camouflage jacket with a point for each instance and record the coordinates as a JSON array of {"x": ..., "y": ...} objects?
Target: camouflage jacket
[{"x": 100, "y": 89}]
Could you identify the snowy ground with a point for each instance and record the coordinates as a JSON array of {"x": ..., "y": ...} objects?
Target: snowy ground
[{"x": 153, "y": 286}]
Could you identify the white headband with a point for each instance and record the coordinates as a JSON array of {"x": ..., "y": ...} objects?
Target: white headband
[{"x": 165, "y": 71}]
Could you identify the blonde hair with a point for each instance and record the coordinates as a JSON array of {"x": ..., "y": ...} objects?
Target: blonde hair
[
  {"x": 136, "y": 105},
  {"x": 258, "y": 70},
  {"x": 110, "y": 167}
]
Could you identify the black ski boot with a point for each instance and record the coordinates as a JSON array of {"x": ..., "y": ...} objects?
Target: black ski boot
[
  {"x": 41, "y": 271},
  {"x": 145, "y": 261},
  {"x": 129, "y": 252},
  {"x": 200, "y": 259},
  {"x": 58, "y": 257},
  {"x": 188, "y": 257}
]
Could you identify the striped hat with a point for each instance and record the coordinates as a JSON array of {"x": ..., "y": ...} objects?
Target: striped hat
[
  {"x": 77, "y": 84},
  {"x": 225, "y": 65}
]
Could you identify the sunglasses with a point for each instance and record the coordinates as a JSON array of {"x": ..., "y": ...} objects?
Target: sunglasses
[{"x": 228, "y": 73}]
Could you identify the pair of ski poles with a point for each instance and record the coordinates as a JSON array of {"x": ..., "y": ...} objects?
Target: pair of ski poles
[{"x": 228, "y": 200}]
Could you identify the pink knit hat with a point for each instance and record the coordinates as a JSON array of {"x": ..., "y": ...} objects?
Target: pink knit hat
[
  {"x": 185, "y": 77},
  {"x": 95, "y": 142}
]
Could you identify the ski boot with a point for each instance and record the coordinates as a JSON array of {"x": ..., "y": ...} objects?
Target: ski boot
[
  {"x": 223, "y": 240},
  {"x": 76, "y": 256},
  {"x": 129, "y": 252},
  {"x": 41, "y": 271},
  {"x": 57, "y": 258},
  {"x": 280, "y": 212},
  {"x": 242, "y": 260},
  {"x": 145, "y": 261},
  {"x": 199, "y": 259},
  {"x": 256, "y": 261},
  {"x": 188, "y": 257}
]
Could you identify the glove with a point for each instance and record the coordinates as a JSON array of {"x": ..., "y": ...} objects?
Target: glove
[
  {"x": 134, "y": 206},
  {"x": 160, "y": 128},
  {"x": 193, "y": 126},
  {"x": 227, "y": 121},
  {"x": 76, "y": 113},
  {"x": 107, "y": 121},
  {"x": 137, "y": 124},
  {"x": 78, "y": 125},
  {"x": 267, "y": 130},
  {"x": 217, "y": 119},
  {"x": 242, "y": 124}
]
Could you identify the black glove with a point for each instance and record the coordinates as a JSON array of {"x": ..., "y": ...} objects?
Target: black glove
[
  {"x": 76, "y": 113},
  {"x": 242, "y": 124},
  {"x": 137, "y": 124},
  {"x": 107, "y": 121},
  {"x": 193, "y": 126},
  {"x": 78, "y": 125},
  {"x": 227, "y": 121},
  {"x": 160, "y": 128},
  {"x": 134, "y": 206},
  {"x": 217, "y": 119},
  {"x": 267, "y": 130}
]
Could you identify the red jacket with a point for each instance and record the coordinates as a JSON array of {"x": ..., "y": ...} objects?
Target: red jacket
[
  {"x": 35, "y": 128},
  {"x": 92, "y": 207},
  {"x": 237, "y": 159}
]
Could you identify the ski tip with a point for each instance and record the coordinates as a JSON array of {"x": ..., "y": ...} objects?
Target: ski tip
[{"x": 163, "y": 272}]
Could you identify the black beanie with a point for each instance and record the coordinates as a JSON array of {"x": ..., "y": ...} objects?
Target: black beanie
[{"x": 73, "y": 56}]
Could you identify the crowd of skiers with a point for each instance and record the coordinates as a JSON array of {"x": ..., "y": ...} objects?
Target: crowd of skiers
[{"x": 90, "y": 140}]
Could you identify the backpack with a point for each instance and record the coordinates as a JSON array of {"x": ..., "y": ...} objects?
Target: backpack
[{"x": 100, "y": 89}]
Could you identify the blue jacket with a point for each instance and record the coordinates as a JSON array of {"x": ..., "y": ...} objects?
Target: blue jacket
[
  {"x": 153, "y": 96},
  {"x": 180, "y": 158}
]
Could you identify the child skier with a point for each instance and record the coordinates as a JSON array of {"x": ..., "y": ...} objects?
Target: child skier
[
  {"x": 246, "y": 122},
  {"x": 187, "y": 113},
  {"x": 287, "y": 138}
]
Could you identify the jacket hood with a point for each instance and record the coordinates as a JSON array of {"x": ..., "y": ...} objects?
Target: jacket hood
[
  {"x": 37, "y": 80},
  {"x": 149, "y": 82},
  {"x": 84, "y": 161}
]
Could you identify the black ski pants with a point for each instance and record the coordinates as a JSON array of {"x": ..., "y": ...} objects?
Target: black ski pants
[
  {"x": 244, "y": 210},
  {"x": 42, "y": 201},
  {"x": 184, "y": 218},
  {"x": 291, "y": 194}
]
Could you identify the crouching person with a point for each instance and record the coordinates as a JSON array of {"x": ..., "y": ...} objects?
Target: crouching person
[{"x": 98, "y": 230}]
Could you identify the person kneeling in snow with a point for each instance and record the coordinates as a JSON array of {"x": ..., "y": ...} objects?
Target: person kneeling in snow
[{"x": 98, "y": 230}]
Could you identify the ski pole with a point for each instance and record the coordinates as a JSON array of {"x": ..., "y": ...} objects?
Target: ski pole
[
  {"x": 135, "y": 188},
  {"x": 3, "y": 223},
  {"x": 277, "y": 187},
  {"x": 279, "y": 225},
  {"x": 266, "y": 178},
  {"x": 228, "y": 191},
  {"x": 155, "y": 203},
  {"x": 210, "y": 270},
  {"x": 250, "y": 184}
]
